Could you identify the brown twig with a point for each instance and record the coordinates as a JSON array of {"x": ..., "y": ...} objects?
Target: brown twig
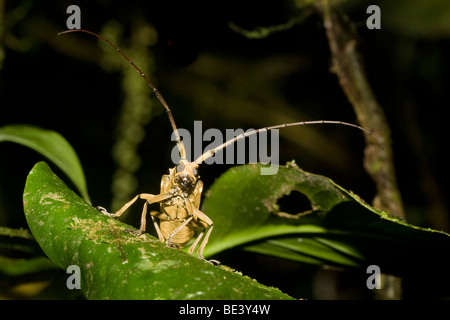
[{"x": 348, "y": 66}]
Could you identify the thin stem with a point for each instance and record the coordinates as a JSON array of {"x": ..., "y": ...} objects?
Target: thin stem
[{"x": 348, "y": 66}]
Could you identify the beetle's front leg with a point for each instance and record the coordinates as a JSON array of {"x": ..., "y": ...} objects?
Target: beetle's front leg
[
  {"x": 150, "y": 198},
  {"x": 119, "y": 212}
]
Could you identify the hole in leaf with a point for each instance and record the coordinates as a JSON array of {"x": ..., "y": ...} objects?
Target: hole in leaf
[{"x": 293, "y": 205}]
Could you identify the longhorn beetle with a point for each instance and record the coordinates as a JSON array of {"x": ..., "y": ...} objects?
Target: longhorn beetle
[{"x": 181, "y": 189}]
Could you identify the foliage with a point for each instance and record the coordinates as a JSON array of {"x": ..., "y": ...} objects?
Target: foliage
[
  {"x": 51, "y": 145},
  {"x": 115, "y": 264},
  {"x": 340, "y": 230},
  {"x": 239, "y": 66}
]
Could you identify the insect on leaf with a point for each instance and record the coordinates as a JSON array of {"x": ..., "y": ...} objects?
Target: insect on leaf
[{"x": 117, "y": 265}]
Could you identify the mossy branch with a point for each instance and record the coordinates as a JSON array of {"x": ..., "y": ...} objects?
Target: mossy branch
[{"x": 348, "y": 66}]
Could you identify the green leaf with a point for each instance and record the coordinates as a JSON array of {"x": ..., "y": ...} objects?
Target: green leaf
[
  {"x": 51, "y": 145},
  {"x": 115, "y": 264},
  {"x": 242, "y": 203},
  {"x": 308, "y": 250},
  {"x": 19, "y": 240},
  {"x": 342, "y": 230},
  {"x": 19, "y": 267}
]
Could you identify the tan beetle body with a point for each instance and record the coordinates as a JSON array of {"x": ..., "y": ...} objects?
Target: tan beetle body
[
  {"x": 175, "y": 211},
  {"x": 179, "y": 214}
]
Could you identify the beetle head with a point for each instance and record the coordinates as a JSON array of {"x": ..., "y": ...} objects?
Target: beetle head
[{"x": 186, "y": 176}]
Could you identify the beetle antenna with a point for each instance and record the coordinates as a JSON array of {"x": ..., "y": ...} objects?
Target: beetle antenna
[
  {"x": 149, "y": 83},
  {"x": 210, "y": 153}
]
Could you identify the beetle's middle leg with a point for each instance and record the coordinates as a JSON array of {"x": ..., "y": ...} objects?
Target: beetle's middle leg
[
  {"x": 143, "y": 222},
  {"x": 204, "y": 221},
  {"x": 208, "y": 224},
  {"x": 156, "y": 225}
]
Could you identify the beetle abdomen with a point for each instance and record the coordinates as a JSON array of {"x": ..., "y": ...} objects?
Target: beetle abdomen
[{"x": 180, "y": 238}]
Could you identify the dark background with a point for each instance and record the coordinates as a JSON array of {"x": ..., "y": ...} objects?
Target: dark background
[{"x": 207, "y": 71}]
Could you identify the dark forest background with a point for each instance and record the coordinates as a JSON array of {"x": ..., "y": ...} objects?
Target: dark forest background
[{"x": 230, "y": 64}]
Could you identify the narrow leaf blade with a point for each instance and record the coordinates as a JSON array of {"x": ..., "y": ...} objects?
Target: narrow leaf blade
[{"x": 51, "y": 145}]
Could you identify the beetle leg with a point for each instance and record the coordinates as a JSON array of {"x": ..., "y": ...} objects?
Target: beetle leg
[
  {"x": 143, "y": 222},
  {"x": 121, "y": 210},
  {"x": 155, "y": 223},
  {"x": 151, "y": 198},
  {"x": 202, "y": 246},
  {"x": 155, "y": 199},
  {"x": 181, "y": 226},
  {"x": 204, "y": 220}
]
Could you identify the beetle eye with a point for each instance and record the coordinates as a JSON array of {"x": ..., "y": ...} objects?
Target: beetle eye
[
  {"x": 180, "y": 167},
  {"x": 195, "y": 172}
]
